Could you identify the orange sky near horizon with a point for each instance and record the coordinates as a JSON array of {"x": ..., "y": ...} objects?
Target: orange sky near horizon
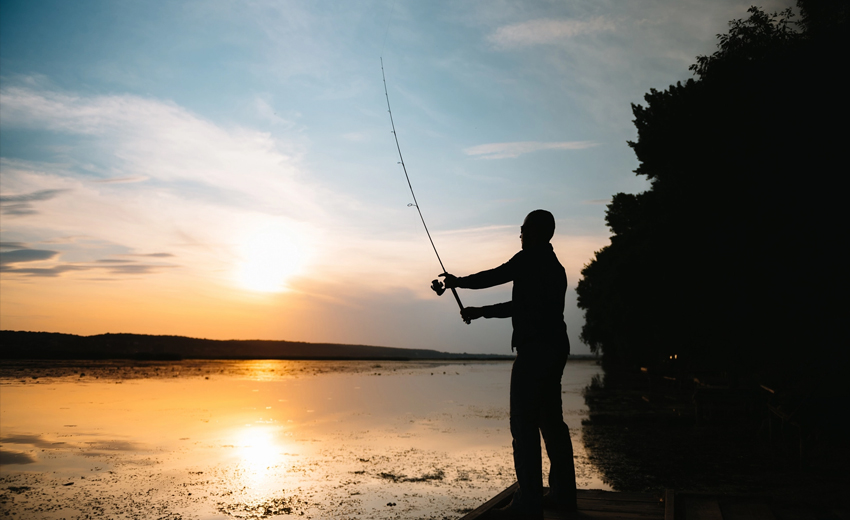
[{"x": 334, "y": 308}]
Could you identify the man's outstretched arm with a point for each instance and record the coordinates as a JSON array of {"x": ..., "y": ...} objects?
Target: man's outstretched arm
[
  {"x": 489, "y": 278},
  {"x": 499, "y": 310}
]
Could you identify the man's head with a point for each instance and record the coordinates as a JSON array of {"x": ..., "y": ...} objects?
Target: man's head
[{"x": 538, "y": 228}]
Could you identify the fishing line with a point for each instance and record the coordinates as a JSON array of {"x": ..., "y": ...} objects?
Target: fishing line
[
  {"x": 389, "y": 20},
  {"x": 436, "y": 285}
]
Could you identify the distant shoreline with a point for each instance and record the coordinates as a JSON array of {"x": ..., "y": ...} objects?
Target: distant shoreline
[{"x": 20, "y": 345}]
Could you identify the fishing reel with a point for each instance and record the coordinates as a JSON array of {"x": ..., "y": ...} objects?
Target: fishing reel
[{"x": 438, "y": 287}]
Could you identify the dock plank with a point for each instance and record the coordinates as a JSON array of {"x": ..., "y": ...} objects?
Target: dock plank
[
  {"x": 598, "y": 494},
  {"x": 796, "y": 512},
  {"x": 502, "y": 499},
  {"x": 747, "y": 511},
  {"x": 610, "y": 505},
  {"x": 592, "y": 505},
  {"x": 656, "y": 507},
  {"x": 702, "y": 509},
  {"x": 606, "y": 515}
]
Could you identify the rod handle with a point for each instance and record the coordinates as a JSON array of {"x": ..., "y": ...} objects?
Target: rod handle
[{"x": 457, "y": 299}]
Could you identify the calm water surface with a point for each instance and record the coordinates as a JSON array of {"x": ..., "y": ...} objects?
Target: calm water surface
[{"x": 257, "y": 439}]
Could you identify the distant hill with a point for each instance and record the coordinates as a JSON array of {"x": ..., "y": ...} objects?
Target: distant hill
[{"x": 52, "y": 345}]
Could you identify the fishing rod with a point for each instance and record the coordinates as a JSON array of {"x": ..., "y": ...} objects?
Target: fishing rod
[{"x": 436, "y": 285}]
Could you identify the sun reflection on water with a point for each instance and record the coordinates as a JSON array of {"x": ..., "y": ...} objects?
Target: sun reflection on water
[
  {"x": 267, "y": 369},
  {"x": 260, "y": 455}
]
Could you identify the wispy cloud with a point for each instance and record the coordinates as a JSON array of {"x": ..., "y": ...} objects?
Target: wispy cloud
[
  {"x": 121, "y": 180},
  {"x": 115, "y": 268},
  {"x": 547, "y": 32},
  {"x": 26, "y": 255},
  {"x": 515, "y": 149},
  {"x": 154, "y": 255},
  {"x": 13, "y": 245},
  {"x": 71, "y": 239},
  {"x": 19, "y": 205}
]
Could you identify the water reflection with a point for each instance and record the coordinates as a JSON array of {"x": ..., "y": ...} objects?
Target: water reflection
[
  {"x": 15, "y": 457},
  {"x": 235, "y": 439},
  {"x": 259, "y": 455}
]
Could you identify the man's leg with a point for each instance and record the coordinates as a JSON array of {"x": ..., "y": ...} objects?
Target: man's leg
[
  {"x": 556, "y": 435},
  {"x": 524, "y": 421}
]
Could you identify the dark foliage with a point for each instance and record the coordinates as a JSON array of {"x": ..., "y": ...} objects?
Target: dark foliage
[{"x": 733, "y": 259}]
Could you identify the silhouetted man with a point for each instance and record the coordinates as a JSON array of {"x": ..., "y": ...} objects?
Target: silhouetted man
[{"x": 540, "y": 339}]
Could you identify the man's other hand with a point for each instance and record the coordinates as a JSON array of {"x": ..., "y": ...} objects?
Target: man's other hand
[
  {"x": 450, "y": 281},
  {"x": 471, "y": 313}
]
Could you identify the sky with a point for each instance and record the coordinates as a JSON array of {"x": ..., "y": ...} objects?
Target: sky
[{"x": 226, "y": 169}]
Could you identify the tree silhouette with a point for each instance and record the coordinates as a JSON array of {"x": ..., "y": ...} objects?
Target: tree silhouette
[{"x": 733, "y": 256}]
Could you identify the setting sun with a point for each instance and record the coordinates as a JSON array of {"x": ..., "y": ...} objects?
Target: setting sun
[{"x": 270, "y": 256}]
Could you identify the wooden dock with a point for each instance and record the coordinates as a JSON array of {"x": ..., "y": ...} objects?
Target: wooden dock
[
  {"x": 596, "y": 505},
  {"x": 609, "y": 505}
]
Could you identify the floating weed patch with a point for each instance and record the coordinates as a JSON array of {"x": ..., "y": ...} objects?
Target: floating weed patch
[
  {"x": 264, "y": 508},
  {"x": 390, "y": 476},
  {"x": 437, "y": 474}
]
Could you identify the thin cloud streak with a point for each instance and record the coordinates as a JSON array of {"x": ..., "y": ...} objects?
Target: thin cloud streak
[
  {"x": 57, "y": 270},
  {"x": 154, "y": 255},
  {"x": 30, "y": 197},
  {"x": 13, "y": 245},
  {"x": 20, "y": 205},
  {"x": 515, "y": 149},
  {"x": 120, "y": 180},
  {"x": 26, "y": 255},
  {"x": 547, "y": 32}
]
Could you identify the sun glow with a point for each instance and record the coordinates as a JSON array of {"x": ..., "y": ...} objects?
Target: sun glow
[
  {"x": 270, "y": 256},
  {"x": 259, "y": 454}
]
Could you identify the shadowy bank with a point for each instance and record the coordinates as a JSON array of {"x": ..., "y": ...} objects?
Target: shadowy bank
[{"x": 50, "y": 345}]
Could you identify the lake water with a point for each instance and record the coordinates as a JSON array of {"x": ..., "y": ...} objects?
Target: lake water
[{"x": 256, "y": 439}]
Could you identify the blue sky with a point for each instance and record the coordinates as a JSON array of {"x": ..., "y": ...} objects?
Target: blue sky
[{"x": 226, "y": 169}]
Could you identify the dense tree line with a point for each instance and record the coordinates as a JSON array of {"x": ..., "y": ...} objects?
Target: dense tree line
[{"x": 734, "y": 257}]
